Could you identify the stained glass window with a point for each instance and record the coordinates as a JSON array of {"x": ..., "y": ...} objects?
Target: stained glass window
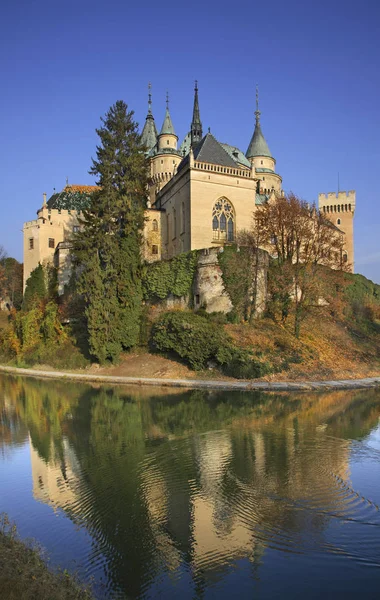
[{"x": 223, "y": 221}]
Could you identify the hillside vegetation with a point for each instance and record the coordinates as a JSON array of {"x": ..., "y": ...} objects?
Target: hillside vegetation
[{"x": 337, "y": 341}]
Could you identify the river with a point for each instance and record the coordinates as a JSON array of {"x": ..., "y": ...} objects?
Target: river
[{"x": 171, "y": 494}]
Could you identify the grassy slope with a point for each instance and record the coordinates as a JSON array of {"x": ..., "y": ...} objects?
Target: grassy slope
[{"x": 25, "y": 576}]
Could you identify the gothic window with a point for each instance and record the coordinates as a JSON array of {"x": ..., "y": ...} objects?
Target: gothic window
[
  {"x": 154, "y": 225},
  {"x": 223, "y": 221}
]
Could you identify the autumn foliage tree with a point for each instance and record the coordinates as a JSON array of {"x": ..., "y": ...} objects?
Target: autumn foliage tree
[{"x": 301, "y": 240}]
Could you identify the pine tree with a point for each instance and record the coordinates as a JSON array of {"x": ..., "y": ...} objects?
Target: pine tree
[{"x": 108, "y": 247}]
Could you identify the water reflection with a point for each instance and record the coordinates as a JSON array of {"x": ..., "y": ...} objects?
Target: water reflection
[{"x": 179, "y": 490}]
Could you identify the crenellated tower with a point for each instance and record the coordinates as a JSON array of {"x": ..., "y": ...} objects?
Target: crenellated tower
[{"x": 340, "y": 209}]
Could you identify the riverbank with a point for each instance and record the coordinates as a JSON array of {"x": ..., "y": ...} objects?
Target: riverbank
[
  {"x": 208, "y": 384},
  {"x": 24, "y": 575}
]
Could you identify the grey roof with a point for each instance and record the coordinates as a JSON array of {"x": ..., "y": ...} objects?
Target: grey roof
[
  {"x": 237, "y": 155},
  {"x": 211, "y": 151},
  {"x": 258, "y": 145},
  {"x": 264, "y": 170},
  {"x": 167, "y": 126},
  {"x": 261, "y": 198},
  {"x": 185, "y": 146},
  {"x": 149, "y": 133}
]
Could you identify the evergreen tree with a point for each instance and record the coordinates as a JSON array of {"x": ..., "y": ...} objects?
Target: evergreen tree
[
  {"x": 107, "y": 250},
  {"x": 36, "y": 288}
]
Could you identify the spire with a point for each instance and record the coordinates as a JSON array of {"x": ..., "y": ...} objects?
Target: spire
[
  {"x": 167, "y": 126},
  {"x": 196, "y": 125},
  {"x": 149, "y": 133},
  {"x": 258, "y": 145}
]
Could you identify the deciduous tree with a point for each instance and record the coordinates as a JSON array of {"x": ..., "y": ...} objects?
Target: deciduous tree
[{"x": 300, "y": 240}]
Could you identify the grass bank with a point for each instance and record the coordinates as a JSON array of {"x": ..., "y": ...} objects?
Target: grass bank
[{"x": 24, "y": 574}]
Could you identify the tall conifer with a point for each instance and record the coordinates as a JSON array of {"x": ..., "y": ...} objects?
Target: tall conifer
[{"x": 108, "y": 247}]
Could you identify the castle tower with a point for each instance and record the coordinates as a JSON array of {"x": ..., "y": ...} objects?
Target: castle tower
[
  {"x": 196, "y": 124},
  {"x": 260, "y": 156},
  {"x": 167, "y": 138},
  {"x": 164, "y": 157},
  {"x": 149, "y": 133},
  {"x": 340, "y": 209}
]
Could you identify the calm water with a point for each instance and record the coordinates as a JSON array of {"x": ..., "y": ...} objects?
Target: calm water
[{"x": 196, "y": 495}]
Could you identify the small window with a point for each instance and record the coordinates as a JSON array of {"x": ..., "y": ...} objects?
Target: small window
[
  {"x": 263, "y": 178},
  {"x": 338, "y": 222},
  {"x": 31, "y": 243},
  {"x": 75, "y": 228},
  {"x": 262, "y": 162},
  {"x": 167, "y": 142},
  {"x": 51, "y": 243},
  {"x": 197, "y": 299},
  {"x": 162, "y": 162},
  {"x": 154, "y": 249},
  {"x": 345, "y": 258},
  {"x": 154, "y": 225}
]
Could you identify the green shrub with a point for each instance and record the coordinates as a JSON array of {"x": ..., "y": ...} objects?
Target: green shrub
[
  {"x": 173, "y": 277},
  {"x": 239, "y": 363},
  {"x": 198, "y": 340},
  {"x": 192, "y": 337}
]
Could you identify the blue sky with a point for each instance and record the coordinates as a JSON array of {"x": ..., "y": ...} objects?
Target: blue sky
[{"x": 63, "y": 65}]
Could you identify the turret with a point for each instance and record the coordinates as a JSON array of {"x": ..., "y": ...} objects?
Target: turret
[
  {"x": 167, "y": 137},
  {"x": 149, "y": 133},
  {"x": 260, "y": 156},
  {"x": 196, "y": 125}
]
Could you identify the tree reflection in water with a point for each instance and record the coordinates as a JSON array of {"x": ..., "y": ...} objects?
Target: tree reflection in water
[{"x": 192, "y": 481}]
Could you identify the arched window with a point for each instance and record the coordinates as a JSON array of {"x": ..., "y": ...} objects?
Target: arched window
[
  {"x": 338, "y": 222},
  {"x": 223, "y": 221},
  {"x": 154, "y": 225}
]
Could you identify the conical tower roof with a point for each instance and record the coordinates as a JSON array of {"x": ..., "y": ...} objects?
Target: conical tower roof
[
  {"x": 167, "y": 126},
  {"x": 258, "y": 145},
  {"x": 149, "y": 133}
]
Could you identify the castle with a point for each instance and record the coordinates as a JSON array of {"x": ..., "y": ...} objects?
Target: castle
[{"x": 201, "y": 194}]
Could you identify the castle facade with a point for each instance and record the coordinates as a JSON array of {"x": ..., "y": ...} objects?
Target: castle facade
[{"x": 201, "y": 194}]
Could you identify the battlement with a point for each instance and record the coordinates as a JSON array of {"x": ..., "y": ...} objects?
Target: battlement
[
  {"x": 33, "y": 223},
  {"x": 337, "y": 202},
  {"x": 44, "y": 212},
  {"x": 337, "y": 197}
]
